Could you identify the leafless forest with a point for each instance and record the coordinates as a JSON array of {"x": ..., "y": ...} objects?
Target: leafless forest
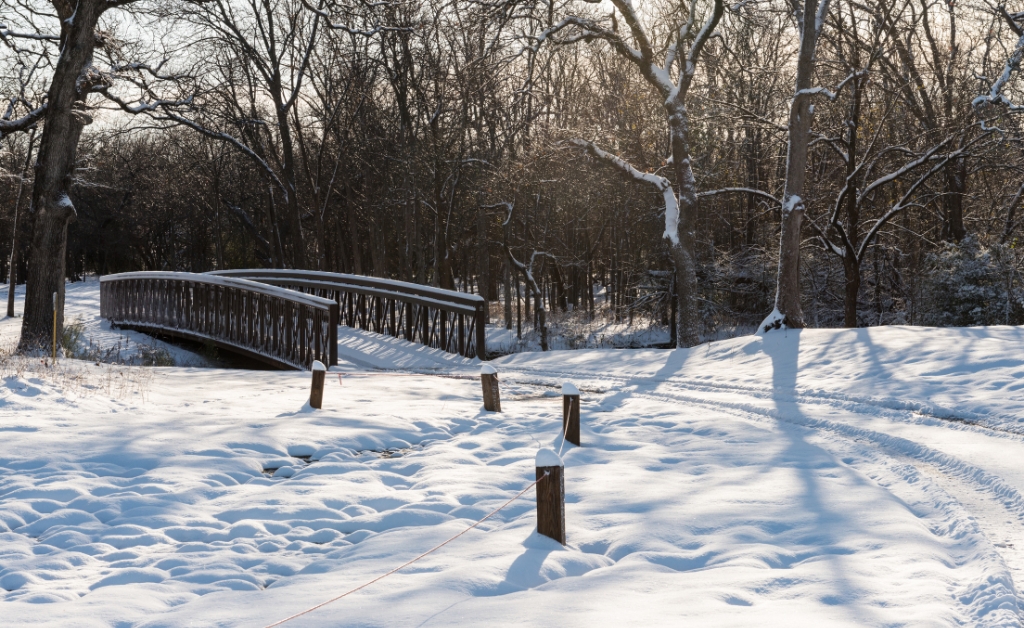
[{"x": 823, "y": 163}]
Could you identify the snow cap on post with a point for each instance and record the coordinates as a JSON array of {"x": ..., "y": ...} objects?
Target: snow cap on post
[
  {"x": 571, "y": 413},
  {"x": 489, "y": 384},
  {"x": 548, "y": 458},
  {"x": 316, "y": 392},
  {"x": 550, "y": 495}
]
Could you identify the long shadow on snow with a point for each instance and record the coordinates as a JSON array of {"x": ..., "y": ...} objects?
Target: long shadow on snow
[{"x": 783, "y": 348}]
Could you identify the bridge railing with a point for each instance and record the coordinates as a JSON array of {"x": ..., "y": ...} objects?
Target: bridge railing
[
  {"x": 444, "y": 319},
  {"x": 281, "y": 327}
]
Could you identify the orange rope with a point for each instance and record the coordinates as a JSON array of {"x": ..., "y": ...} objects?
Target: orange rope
[
  {"x": 406, "y": 564},
  {"x": 395, "y": 374}
]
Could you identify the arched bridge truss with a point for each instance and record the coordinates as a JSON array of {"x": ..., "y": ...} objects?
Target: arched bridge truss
[{"x": 289, "y": 318}]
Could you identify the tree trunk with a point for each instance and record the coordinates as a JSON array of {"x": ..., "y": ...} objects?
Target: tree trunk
[
  {"x": 519, "y": 311},
  {"x": 683, "y": 249},
  {"x": 378, "y": 255},
  {"x": 421, "y": 257},
  {"x": 483, "y": 280},
  {"x": 752, "y": 146},
  {"x": 851, "y": 263},
  {"x": 293, "y": 239},
  {"x": 353, "y": 230},
  {"x": 787, "y": 294},
  {"x": 508, "y": 283},
  {"x": 953, "y": 229},
  {"x": 51, "y": 205},
  {"x": 15, "y": 245},
  {"x": 851, "y": 269},
  {"x": 278, "y": 253},
  {"x": 408, "y": 274}
]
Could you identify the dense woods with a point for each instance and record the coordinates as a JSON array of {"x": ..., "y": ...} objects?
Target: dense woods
[{"x": 613, "y": 159}]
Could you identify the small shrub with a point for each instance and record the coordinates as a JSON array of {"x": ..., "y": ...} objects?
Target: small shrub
[
  {"x": 209, "y": 351},
  {"x": 972, "y": 284},
  {"x": 71, "y": 338},
  {"x": 155, "y": 356}
]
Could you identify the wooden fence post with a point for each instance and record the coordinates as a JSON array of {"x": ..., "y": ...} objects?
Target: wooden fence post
[
  {"x": 316, "y": 395},
  {"x": 571, "y": 413},
  {"x": 489, "y": 383},
  {"x": 550, "y": 495}
]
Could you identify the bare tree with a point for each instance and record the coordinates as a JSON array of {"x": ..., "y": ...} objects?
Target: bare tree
[
  {"x": 670, "y": 71},
  {"x": 788, "y": 312},
  {"x": 15, "y": 232},
  {"x": 74, "y": 78}
]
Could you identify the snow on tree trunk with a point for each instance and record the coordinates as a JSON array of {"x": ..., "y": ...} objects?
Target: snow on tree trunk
[
  {"x": 671, "y": 76},
  {"x": 52, "y": 209},
  {"x": 788, "y": 311},
  {"x": 683, "y": 245}
]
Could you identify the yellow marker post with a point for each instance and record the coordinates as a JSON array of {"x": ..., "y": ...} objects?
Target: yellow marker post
[{"x": 54, "y": 327}]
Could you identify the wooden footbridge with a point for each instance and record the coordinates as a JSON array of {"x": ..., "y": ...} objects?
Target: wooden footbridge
[{"x": 289, "y": 318}]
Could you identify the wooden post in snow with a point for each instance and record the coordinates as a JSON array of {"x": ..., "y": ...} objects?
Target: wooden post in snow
[
  {"x": 571, "y": 413},
  {"x": 316, "y": 394},
  {"x": 550, "y": 495},
  {"x": 489, "y": 383}
]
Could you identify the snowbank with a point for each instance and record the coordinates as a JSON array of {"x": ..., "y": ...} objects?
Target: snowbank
[{"x": 720, "y": 486}]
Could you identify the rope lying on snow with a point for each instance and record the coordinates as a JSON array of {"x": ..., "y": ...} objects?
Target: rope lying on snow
[
  {"x": 406, "y": 564},
  {"x": 397, "y": 374}
]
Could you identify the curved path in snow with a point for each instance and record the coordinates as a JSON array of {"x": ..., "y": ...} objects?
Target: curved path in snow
[{"x": 949, "y": 406}]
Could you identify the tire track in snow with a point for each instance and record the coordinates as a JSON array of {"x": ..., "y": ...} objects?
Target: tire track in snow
[
  {"x": 892, "y": 408},
  {"x": 1011, "y": 498},
  {"x": 983, "y": 482}
]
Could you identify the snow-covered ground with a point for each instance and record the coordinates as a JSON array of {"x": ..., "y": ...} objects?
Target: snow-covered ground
[
  {"x": 82, "y": 308},
  {"x": 823, "y": 477}
]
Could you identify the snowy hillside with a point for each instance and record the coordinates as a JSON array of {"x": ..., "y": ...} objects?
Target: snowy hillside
[{"x": 826, "y": 477}]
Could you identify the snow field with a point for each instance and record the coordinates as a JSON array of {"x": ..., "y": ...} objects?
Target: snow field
[
  {"x": 160, "y": 513},
  {"x": 822, "y": 477},
  {"x": 82, "y": 306}
]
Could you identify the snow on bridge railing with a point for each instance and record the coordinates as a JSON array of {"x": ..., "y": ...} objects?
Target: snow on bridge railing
[
  {"x": 445, "y": 319},
  {"x": 285, "y": 328}
]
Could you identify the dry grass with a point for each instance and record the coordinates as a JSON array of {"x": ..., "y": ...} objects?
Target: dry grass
[{"x": 77, "y": 378}]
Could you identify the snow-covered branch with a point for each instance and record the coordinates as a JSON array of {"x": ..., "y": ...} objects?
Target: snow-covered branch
[
  {"x": 813, "y": 91},
  {"x": 904, "y": 201},
  {"x": 509, "y": 207},
  {"x": 661, "y": 183},
  {"x": 628, "y": 13},
  {"x": 755, "y": 191},
  {"x": 25, "y": 122},
  {"x": 702, "y": 37},
  {"x": 163, "y": 110},
  {"x": 995, "y": 95},
  {"x": 321, "y": 12},
  {"x": 896, "y": 174},
  {"x": 7, "y": 34}
]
